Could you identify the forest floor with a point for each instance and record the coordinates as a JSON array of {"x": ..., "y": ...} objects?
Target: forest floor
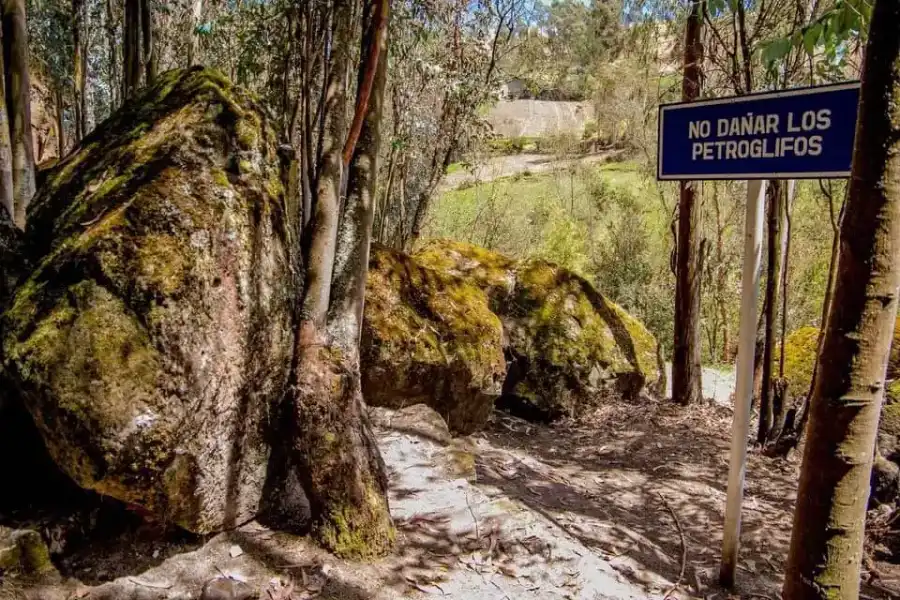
[{"x": 625, "y": 505}]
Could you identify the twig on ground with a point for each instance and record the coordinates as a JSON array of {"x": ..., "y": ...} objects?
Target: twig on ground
[
  {"x": 474, "y": 518},
  {"x": 154, "y": 586},
  {"x": 683, "y": 548}
]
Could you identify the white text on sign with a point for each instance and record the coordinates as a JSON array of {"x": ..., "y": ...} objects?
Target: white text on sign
[{"x": 806, "y": 142}]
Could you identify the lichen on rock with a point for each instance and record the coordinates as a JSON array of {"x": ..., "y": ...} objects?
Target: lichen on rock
[
  {"x": 430, "y": 337},
  {"x": 445, "y": 325},
  {"x": 155, "y": 331},
  {"x": 800, "y": 348},
  {"x": 567, "y": 346}
]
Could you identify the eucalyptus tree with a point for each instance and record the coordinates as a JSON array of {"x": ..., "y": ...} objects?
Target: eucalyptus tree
[
  {"x": 18, "y": 104},
  {"x": 827, "y": 537}
]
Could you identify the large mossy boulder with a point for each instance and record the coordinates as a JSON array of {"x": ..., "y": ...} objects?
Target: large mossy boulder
[
  {"x": 154, "y": 333},
  {"x": 799, "y": 359},
  {"x": 567, "y": 348},
  {"x": 430, "y": 337}
]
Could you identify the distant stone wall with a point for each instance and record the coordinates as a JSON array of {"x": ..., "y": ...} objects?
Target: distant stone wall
[{"x": 534, "y": 118}]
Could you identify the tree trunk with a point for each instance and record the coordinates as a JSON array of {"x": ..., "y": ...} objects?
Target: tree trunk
[
  {"x": 194, "y": 45},
  {"x": 686, "y": 373},
  {"x": 827, "y": 537},
  {"x": 781, "y": 406},
  {"x": 7, "y": 189},
  {"x": 80, "y": 72},
  {"x": 147, "y": 45},
  {"x": 355, "y": 231},
  {"x": 113, "y": 56},
  {"x": 332, "y": 449},
  {"x": 18, "y": 105},
  {"x": 773, "y": 264},
  {"x": 60, "y": 125},
  {"x": 131, "y": 55}
]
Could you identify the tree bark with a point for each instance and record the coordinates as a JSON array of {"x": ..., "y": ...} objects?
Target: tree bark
[
  {"x": 18, "y": 105},
  {"x": 60, "y": 125},
  {"x": 773, "y": 265},
  {"x": 332, "y": 449},
  {"x": 80, "y": 72},
  {"x": 7, "y": 189},
  {"x": 131, "y": 55},
  {"x": 686, "y": 369},
  {"x": 355, "y": 230},
  {"x": 827, "y": 537},
  {"x": 113, "y": 56},
  {"x": 194, "y": 45},
  {"x": 147, "y": 45}
]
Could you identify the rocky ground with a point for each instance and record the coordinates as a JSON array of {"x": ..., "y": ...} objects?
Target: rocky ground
[{"x": 624, "y": 505}]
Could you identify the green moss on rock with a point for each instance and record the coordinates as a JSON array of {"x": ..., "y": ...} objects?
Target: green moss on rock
[
  {"x": 569, "y": 346},
  {"x": 155, "y": 331},
  {"x": 443, "y": 318},
  {"x": 429, "y": 337},
  {"x": 23, "y": 552},
  {"x": 800, "y": 348}
]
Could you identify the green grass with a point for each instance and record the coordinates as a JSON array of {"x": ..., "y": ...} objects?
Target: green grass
[
  {"x": 556, "y": 215},
  {"x": 455, "y": 167}
]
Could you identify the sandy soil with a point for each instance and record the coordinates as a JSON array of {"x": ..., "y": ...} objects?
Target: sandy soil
[{"x": 626, "y": 505}]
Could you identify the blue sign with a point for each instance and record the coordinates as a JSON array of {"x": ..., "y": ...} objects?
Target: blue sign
[{"x": 794, "y": 134}]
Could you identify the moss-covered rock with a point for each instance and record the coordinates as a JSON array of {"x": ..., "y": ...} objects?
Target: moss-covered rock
[
  {"x": 24, "y": 553},
  {"x": 566, "y": 346},
  {"x": 155, "y": 332},
  {"x": 570, "y": 347},
  {"x": 430, "y": 337},
  {"x": 11, "y": 257},
  {"x": 799, "y": 359}
]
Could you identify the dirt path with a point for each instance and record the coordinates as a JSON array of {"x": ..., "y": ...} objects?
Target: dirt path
[
  {"x": 718, "y": 384},
  {"x": 618, "y": 482},
  {"x": 496, "y": 167},
  {"x": 615, "y": 507}
]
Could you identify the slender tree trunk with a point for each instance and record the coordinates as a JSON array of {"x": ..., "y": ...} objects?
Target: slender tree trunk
[
  {"x": 773, "y": 264},
  {"x": 114, "y": 83},
  {"x": 194, "y": 45},
  {"x": 147, "y": 44},
  {"x": 355, "y": 231},
  {"x": 332, "y": 448},
  {"x": 827, "y": 537},
  {"x": 790, "y": 439},
  {"x": 131, "y": 54},
  {"x": 7, "y": 189},
  {"x": 18, "y": 104},
  {"x": 780, "y": 404},
  {"x": 80, "y": 72},
  {"x": 60, "y": 126},
  {"x": 686, "y": 369}
]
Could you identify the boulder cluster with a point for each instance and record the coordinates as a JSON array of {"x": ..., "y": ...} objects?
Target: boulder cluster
[{"x": 147, "y": 314}]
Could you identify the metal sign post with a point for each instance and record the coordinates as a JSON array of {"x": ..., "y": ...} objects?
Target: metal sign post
[
  {"x": 805, "y": 133},
  {"x": 743, "y": 393}
]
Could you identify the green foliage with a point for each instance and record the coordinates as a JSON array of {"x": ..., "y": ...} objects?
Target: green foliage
[{"x": 827, "y": 39}]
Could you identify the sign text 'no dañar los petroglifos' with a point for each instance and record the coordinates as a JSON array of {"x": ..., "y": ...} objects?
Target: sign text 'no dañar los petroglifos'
[{"x": 794, "y": 134}]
